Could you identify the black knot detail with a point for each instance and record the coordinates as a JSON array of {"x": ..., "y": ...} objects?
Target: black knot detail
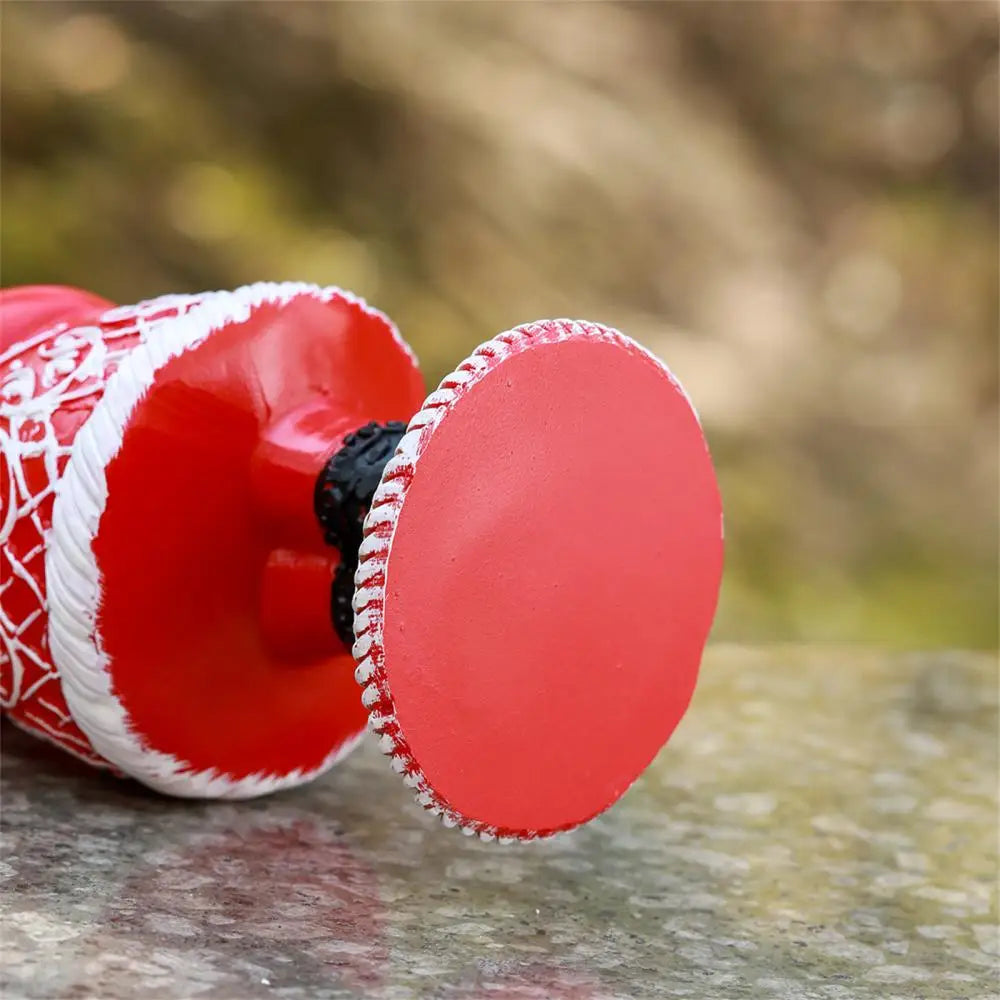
[{"x": 342, "y": 498}]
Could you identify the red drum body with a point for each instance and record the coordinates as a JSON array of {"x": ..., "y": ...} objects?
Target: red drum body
[
  {"x": 207, "y": 498},
  {"x": 165, "y": 586}
]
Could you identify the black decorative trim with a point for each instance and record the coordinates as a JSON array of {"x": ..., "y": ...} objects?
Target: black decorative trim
[{"x": 343, "y": 494}]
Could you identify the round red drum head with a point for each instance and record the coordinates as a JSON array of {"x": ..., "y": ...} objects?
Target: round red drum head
[{"x": 538, "y": 579}]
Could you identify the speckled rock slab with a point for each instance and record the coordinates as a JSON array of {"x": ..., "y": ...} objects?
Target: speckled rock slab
[{"x": 823, "y": 825}]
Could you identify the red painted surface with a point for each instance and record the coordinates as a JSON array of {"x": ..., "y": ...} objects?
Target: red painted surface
[
  {"x": 31, "y": 318},
  {"x": 551, "y": 584},
  {"x": 34, "y": 308},
  {"x": 295, "y": 587},
  {"x": 216, "y": 581},
  {"x": 289, "y": 453}
]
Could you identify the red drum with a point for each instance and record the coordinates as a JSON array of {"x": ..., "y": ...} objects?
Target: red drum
[{"x": 208, "y": 500}]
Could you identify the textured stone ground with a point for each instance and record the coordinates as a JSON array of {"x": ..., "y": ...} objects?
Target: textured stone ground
[{"x": 824, "y": 824}]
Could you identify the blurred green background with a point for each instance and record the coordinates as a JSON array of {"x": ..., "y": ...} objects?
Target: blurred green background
[{"x": 794, "y": 204}]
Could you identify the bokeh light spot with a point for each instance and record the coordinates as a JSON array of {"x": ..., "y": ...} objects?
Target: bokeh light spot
[
  {"x": 87, "y": 54},
  {"x": 205, "y": 201}
]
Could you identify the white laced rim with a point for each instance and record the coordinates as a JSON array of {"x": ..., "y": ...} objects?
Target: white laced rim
[
  {"x": 371, "y": 579},
  {"x": 74, "y": 578}
]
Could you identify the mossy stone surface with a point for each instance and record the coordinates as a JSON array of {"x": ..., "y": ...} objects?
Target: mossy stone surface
[{"x": 823, "y": 825}]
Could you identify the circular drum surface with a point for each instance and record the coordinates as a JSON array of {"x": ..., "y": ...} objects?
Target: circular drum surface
[{"x": 539, "y": 576}]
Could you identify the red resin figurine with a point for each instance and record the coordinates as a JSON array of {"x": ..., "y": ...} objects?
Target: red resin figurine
[{"x": 207, "y": 499}]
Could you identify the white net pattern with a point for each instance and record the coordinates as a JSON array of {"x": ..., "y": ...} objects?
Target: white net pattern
[{"x": 49, "y": 384}]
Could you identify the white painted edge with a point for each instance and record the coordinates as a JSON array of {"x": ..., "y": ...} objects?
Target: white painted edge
[
  {"x": 371, "y": 579},
  {"x": 74, "y": 578}
]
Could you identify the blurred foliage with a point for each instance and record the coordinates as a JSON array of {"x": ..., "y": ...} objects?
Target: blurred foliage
[{"x": 794, "y": 204}]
